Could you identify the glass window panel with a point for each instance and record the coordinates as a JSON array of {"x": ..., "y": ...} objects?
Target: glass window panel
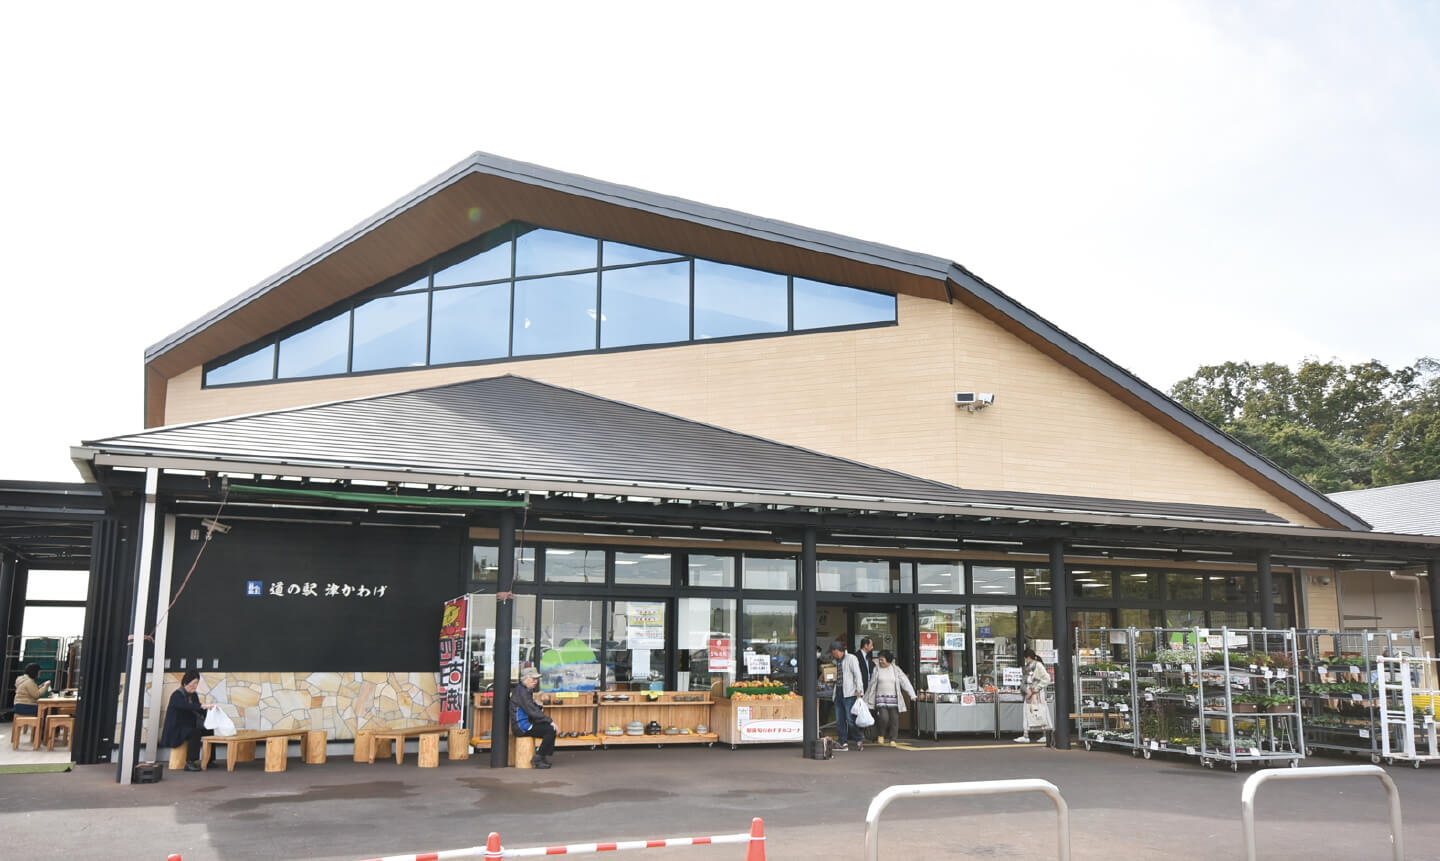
[
  {"x": 995, "y": 644},
  {"x": 936, "y": 621},
  {"x": 734, "y": 300},
  {"x": 390, "y": 332},
  {"x": 482, "y": 639},
  {"x": 941, "y": 578},
  {"x": 1232, "y": 590},
  {"x": 768, "y": 628},
  {"x": 992, "y": 580},
  {"x": 418, "y": 284},
  {"x": 1090, "y": 620},
  {"x": 257, "y": 365},
  {"x": 764, "y": 572},
  {"x": 1137, "y": 584},
  {"x": 618, "y": 254},
  {"x": 569, "y": 645},
  {"x": 1229, "y": 619},
  {"x": 1131, "y": 618},
  {"x": 525, "y": 567},
  {"x": 818, "y": 305},
  {"x": 52, "y": 622},
  {"x": 57, "y": 586},
  {"x": 710, "y": 570},
  {"x": 834, "y": 575},
  {"x": 555, "y": 315},
  {"x": 1090, "y": 583},
  {"x": 645, "y": 305},
  {"x": 563, "y": 565},
  {"x": 638, "y": 657},
  {"x": 541, "y": 252},
  {"x": 485, "y": 564},
  {"x": 1185, "y": 587},
  {"x": 702, "y": 622},
  {"x": 320, "y": 349},
  {"x": 1039, "y": 634},
  {"x": 470, "y": 323},
  {"x": 490, "y": 265},
  {"x": 1185, "y": 618},
  {"x": 643, "y": 568},
  {"x": 1037, "y": 580}
]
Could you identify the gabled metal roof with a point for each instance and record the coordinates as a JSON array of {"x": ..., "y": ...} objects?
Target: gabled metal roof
[
  {"x": 1410, "y": 509},
  {"x": 513, "y": 432},
  {"x": 958, "y": 283}
]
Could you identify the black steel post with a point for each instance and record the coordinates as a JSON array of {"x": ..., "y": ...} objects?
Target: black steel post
[
  {"x": 805, "y": 646},
  {"x": 1064, "y": 645},
  {"x": 504, "y": 623},
  {"x": 1267, "y": 589},
  {"x": 1434, "y": 609}
]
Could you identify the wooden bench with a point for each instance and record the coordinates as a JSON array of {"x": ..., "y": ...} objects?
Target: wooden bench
[
  {"x": 241, "y": 747},
  {"x": 370, "y": 743}
]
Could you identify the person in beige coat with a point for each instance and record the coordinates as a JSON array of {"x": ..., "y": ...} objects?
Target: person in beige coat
[{"x": 886, "y": 695}]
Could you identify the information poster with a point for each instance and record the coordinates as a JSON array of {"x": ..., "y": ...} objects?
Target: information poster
[
  {"x": 929, "y": 646},
  {"x": 1013, "y": 677},
  {"x": 646, "y": 624},
  {"x": 938, "y": 683},
  {"x": 757, "y": 665},
  {"x": 452, "y": 660},
  {"x": 955, "y": 642},
  {"x": 719, "y": 655}
]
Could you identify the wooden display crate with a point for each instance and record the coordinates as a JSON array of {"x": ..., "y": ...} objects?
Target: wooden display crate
[
  {"x": 571, "y": 711},
  {"x": 767, "y": 714},
  {"x": 680, "y": 709}
]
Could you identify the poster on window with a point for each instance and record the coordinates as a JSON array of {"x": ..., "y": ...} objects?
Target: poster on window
[
  {"x": 719, "y": 655},
  {"x": 453, "y": 635},
  {"x": 646, "y": 621}
]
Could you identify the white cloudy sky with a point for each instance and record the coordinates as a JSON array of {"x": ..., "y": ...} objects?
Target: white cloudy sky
[{"x": 1174, "y": 183}]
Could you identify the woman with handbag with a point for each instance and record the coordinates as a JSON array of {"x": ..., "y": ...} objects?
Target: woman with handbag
[
  {"x": 1037, "y": 708},
  {"x": 185, "y": 720},
  {"x": 886, "y": 695}
]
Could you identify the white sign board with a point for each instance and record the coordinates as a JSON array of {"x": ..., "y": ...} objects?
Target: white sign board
[
  {"x": 757, "y": 665},
  {"x": 938, "y": 683},
  {"x": 1013, "y": 677},
  {"x": 954, "y": 642}
]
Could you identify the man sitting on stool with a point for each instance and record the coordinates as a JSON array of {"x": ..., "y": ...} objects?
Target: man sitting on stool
[{"x": 527, "y": 718}]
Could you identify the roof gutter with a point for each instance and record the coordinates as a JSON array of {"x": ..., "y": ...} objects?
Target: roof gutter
[{"x": 378, "y": 498}]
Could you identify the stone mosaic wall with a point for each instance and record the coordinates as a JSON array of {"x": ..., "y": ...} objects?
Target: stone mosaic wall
[{"x": 339, "y": 703}]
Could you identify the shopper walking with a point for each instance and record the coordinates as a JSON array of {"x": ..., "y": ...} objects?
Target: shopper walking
[
  {"x": 886, "y": 695},
  {"x": 1037, "y": 707},
  {"x": 847, "y": 688}
]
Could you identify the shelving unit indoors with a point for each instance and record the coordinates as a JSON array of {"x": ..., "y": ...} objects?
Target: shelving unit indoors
[
  {"x": 1407, "y": 709},
  {"x": 1106, "y": 693},
  {"x": 1339, "y": 698}
]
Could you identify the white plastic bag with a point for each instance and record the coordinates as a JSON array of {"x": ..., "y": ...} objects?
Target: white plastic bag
[
  {"x": 861, "y": 712},
  {"x": 217, "y": 720}
]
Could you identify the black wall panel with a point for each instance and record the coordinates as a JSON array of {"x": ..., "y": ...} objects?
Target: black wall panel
[{"x": 352, "y": 597}]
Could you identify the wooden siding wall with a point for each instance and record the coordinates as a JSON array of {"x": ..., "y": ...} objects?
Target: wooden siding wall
[{"x": 882, "y": 396}]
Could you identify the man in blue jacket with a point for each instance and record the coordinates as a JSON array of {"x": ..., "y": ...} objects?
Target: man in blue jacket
[{"x": 528, "y": 718}]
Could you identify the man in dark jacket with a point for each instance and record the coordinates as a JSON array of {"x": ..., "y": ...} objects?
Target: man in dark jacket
[{"x": 528, "y": 718}]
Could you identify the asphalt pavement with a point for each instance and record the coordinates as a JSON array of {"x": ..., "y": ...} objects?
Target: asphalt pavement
[{"x": 1120, "y": 807}]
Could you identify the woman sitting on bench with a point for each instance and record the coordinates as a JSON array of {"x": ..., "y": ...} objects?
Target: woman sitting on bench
[{"x": 185, "y": 720}]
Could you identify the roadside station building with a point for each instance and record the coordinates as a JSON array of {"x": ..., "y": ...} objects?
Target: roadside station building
[{"x": 571, "y": 398}]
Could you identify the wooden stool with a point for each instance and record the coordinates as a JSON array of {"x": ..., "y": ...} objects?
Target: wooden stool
[
  {"x": 430, "y": 750},
  {"x": 23, "y": 722},
  {"x": 365, "y": 746},
  {"x": 458, "y": 745},
  {"x": 315, "y": 742},
  {"x": 57, "y": 724},
  {"x": 522, "y": 750},
  {"x": 177, "y": 758}
]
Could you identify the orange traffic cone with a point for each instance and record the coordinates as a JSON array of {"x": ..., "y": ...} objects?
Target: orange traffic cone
[
  {"x": 492, "y": 845},
  {"x": 756, "y": 847}
]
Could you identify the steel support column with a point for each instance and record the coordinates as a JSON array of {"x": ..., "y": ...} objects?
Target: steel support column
[
  {"x": 1064, "y": 643},
  {"x": 504, "y": 623},
  {"x": 805, "y": 647},
  {"x": 162, "y": 629},
  {"x": 135, "y": 676},
  {"x": 102, "y": 658},
  {"x": 1434, "y": 578},
  {"x": 1265, "y": 584}
]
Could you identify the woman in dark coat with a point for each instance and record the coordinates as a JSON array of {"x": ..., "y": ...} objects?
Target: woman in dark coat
[{"x": 185, "y": 720}]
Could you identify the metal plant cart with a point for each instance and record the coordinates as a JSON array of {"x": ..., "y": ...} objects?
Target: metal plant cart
[
  {"x": 1249, "y": 688},
  {"x": 1106, "y": 694},
  {"x": 1407, "y": 708},
  {"x": 1338, "y": 691}
]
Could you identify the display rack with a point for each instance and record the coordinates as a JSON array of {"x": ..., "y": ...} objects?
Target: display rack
[
  {"x": 1339, "y": 699},
  {"x": 572, "y": 712},
  {"x": 1407, "y": 708},
  {"x": 975, "y": 711},
  {"x": 1106, "y": 695},
  {"x": 1249, "y": 689},
  {"x": 679, "y": 709}
]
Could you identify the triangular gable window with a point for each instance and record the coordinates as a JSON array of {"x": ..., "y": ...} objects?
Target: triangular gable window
[{"x": 525, "y": 291}]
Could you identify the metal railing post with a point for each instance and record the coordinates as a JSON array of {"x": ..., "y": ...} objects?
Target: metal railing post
[
  {"x": 972, "y": 787},
  {"x": 1247, "y": 798}
]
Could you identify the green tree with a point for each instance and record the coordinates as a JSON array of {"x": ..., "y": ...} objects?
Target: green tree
[{"x": 1334, "y": 427}]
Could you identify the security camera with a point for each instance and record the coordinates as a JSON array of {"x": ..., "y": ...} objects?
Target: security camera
[
  {"x": 973, "y": 401},
  {"x": 211, "y": 526}
]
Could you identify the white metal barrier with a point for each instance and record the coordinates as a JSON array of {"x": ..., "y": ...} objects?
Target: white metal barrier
[
  {"x": 1247, "y": 798},
  {"x": 972, "y": 787}
]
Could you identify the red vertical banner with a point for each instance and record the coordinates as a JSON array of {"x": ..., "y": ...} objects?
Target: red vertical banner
[{"x": 452, "y": 661}]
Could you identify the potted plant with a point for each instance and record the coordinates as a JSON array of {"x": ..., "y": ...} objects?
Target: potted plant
[
  {"x": 1244, "y": 703},
  {"x": 1279, "y": 703}
]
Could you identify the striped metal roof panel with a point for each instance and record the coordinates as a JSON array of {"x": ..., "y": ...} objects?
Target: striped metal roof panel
[
  {"x": 1410, "y": 509},
  {"x": 515, "y": 428}
]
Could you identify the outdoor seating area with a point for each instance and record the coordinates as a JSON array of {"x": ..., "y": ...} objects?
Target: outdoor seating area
[{"x": 372, "y": 743}]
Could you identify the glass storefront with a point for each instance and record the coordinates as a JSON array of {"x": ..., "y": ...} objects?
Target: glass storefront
[
  {"x": 705, "y": 631},
  {"x": 769, "y": 628}
]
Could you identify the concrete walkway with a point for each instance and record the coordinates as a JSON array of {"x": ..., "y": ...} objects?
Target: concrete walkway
[{"x": 1121, "y": 807}]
